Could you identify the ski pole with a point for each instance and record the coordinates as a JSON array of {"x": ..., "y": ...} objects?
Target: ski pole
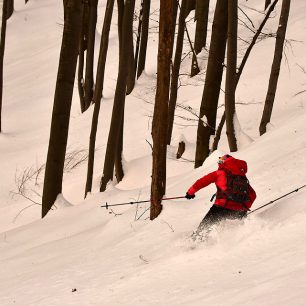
[
  {"x": 269, "y": 203},
  {"x": 137, "y": 202}
]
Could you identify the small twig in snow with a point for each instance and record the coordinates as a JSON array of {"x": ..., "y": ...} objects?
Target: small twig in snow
[
  {"x": 143, "y": 259},
  {"x": 170, "y": 226}
]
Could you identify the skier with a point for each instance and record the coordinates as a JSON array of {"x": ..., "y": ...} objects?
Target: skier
[{"x": 234, "y": 195}]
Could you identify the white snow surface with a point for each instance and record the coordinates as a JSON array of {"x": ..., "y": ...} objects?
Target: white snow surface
[{"x": 82, "y": 254}]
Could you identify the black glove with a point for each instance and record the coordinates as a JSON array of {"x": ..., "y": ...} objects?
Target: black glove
[{"x": 189, "y": 196}]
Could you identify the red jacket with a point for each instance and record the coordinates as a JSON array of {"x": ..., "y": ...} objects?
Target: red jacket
[{"x": 236, "y": 167}]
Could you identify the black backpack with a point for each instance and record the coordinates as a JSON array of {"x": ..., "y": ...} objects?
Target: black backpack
[{"x": 237, "y": 188}]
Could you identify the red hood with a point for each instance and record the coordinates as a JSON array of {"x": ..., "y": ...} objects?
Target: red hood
[{"x": 236, "y": 166}]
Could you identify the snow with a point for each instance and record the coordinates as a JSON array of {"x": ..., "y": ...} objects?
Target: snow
[{"x": 82, "y": 254}]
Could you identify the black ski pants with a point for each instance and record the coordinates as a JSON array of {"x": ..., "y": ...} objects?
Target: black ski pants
[{"x": 217, "y": 213}]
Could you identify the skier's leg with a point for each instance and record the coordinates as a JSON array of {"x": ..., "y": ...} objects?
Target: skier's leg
[
  {"x": 214, "y": 216},
  {"x": 236, "y": 215}
]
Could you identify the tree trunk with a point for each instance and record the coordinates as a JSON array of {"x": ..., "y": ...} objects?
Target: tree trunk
[
  {"x": 2, "y": 48},
  {"x": 202, "y": 10},
  {"x": 10, "y": 9},
  {"x": 120, "y": 5},
  {"x": 89, "y": 79},
  {"x": 278, "y": 53},
  {"x": 131, "y": 73},
  {"x": 119, "y": 173},
  {"x": 267, "y": 3},
  {"x": 98, "y": 92},
  {"x": 218, "y": 133},
  {"x": 209, "y": 104},
  {"x": 159, "y": 124},
  {"x": 82, "y": 48},
  {"x": 175, "y": 4},
  {"x": 144, "y": 37},
  {"x": 176, "y": 69},
  {"x": 62, "y": 104},
  {"x": 140, "y": 20},
  {"x": 120, "y": 94},
  {"x": 190, "y": 6},
  {"x": 230, "y": 83}
]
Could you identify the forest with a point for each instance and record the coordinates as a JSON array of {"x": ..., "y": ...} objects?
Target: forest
[{"x": 77, "y": 57}]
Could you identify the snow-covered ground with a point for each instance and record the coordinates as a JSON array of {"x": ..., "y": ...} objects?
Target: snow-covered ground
[{"x": 82, "y": 254}]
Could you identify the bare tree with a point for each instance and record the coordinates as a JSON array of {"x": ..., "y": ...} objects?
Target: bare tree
[
  {"x": 201, "y": 15},
  {"x": 277, "y": 59},
  {"x": 120, "y": 5},
  {"x": 81, "y": 59},
  {"x": 144, "y": 37},
  {"x": 2, "y": 48},
  {"x": 191, "y": 5},
  {"x": 175, "y": 4},
  {"x": 230, "y": 83},
  {"x": 254, "y": 39},
  {"x": 62, "y": 104},
  {"x": 119, "y": 100},
  {"x": 209, "y": 104},
  {"x": 140, "y": 20},
  {"x": 159, "y": 124},
  {"x": 132, "y": 63},
  {"x": 98, "y": 92},
  {"x": 176, "y": 69},
  {"x": 267, "y": 3},
  {"x": 9, "y": 9},
  {"x": 89, "y": 79},
  {"x": 241, "y": 67}
]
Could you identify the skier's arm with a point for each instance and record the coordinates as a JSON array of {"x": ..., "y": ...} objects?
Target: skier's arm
[{"x": 202, "y": 182}]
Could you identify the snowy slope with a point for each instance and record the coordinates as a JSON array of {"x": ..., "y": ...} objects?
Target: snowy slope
[{"x": 81, "y": 254}]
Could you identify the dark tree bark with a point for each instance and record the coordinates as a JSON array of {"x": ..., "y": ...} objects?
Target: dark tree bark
[
  {"x": 180, "y": 149},
  {"x": 278, "y": 53},
  {"x": 209, "y": 104},
  {"x": 2, "y": 48},
  {"x": 175, "y": 4},
  {"x": 230, "y": 83},
  {"x": 120, "y": 5},
  {"x": 118, "y": 154},
  {"x": 131, "y": 71},
  {"x": 9, "y": 9},
  {"x": 91, "y": 34},
  {"x": 98, "y": 92},
  {"x": 118, "y": 150},
  {"x": 119, "y": 100},
  {"x": 202, "y": 10},
  {"x": 191, "y": 5},
  {"x": 267, "y": 3},
  {"x": 218, "y": 133},
  {"x": 130, "y": 84},
  {"x": 62, "y": 104},
  {"x": 176, "y": 69},
  {"x": 159, "y": 124},
  {"x": 82, "y": 48},
  {"x": 140, "y": 20},
  {"x": 144, "y": 37}
]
